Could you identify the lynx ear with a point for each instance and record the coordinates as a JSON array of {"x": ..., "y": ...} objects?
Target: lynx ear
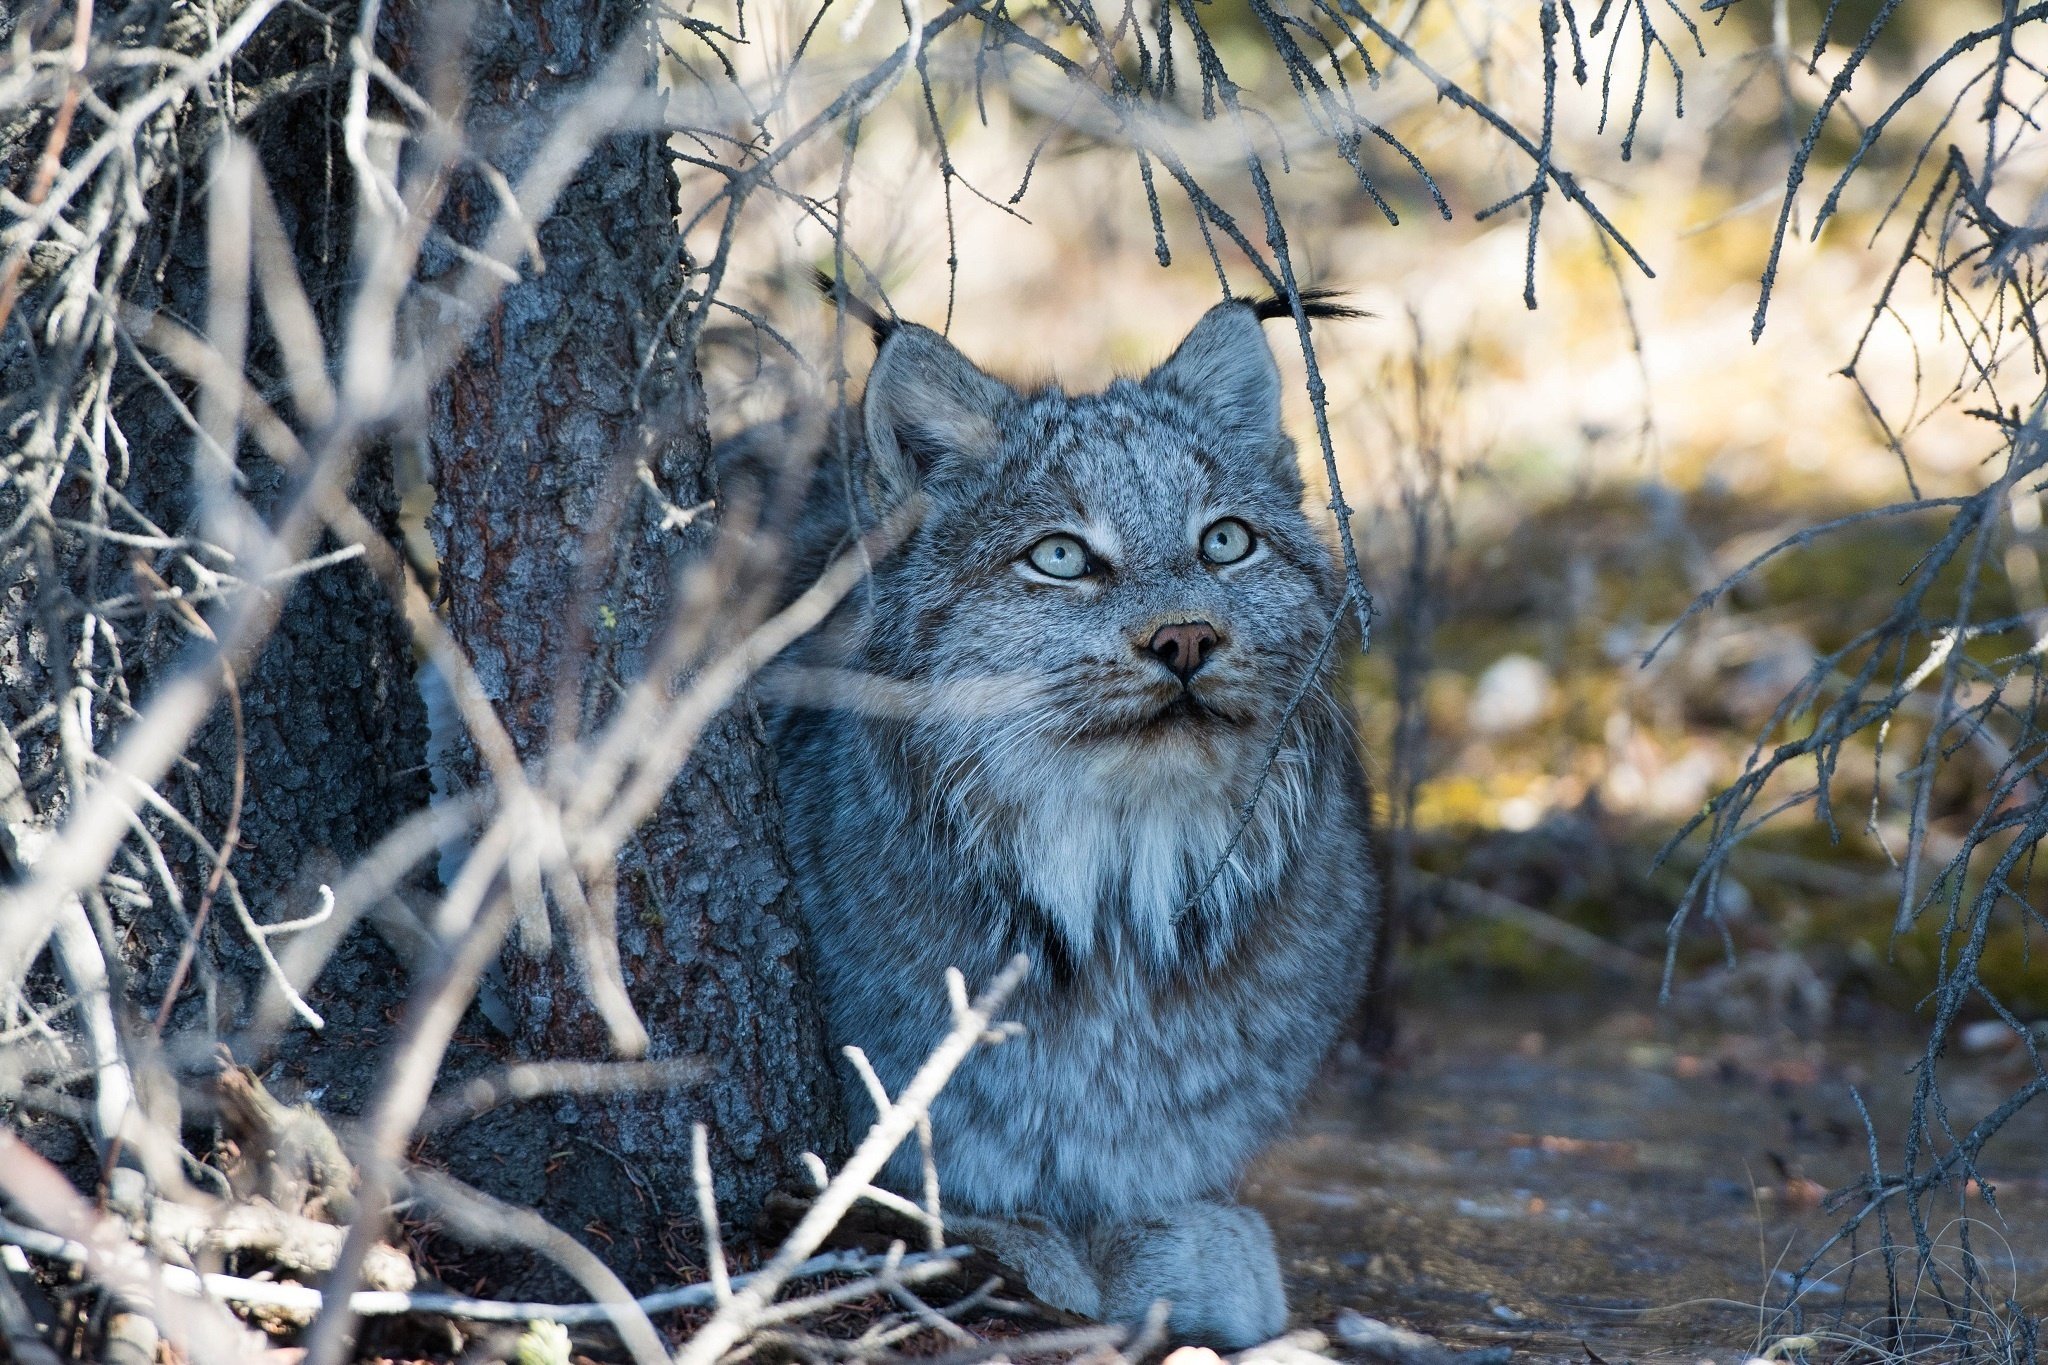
[
  {"x": 1225, "y": 367},
  {"x": 925, "y": 402}
]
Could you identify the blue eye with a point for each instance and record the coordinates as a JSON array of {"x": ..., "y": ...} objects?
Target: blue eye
[
  {"x": 1060, "y": 557},
  {"x": 1227, "y": 541}
]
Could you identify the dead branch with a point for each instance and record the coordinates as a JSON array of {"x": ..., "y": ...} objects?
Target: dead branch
[{"x": 302, "y": 1299}]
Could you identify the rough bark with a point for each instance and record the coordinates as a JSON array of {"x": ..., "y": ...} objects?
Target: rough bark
[
  {"x": 534, "y": 508},
  {"x": 335, "y": 731}
]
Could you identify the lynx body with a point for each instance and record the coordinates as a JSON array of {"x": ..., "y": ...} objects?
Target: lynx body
[{"x": 1034, "y": 729}]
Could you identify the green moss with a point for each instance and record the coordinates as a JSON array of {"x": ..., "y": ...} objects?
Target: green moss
[{"x": 1830, "y": 898}]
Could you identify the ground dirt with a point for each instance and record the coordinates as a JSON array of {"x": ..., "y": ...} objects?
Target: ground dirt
[{"x": 1566, "y": 1179}]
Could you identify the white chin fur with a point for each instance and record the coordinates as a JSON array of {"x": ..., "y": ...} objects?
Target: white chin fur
[{"x": 1122, "y": 836}]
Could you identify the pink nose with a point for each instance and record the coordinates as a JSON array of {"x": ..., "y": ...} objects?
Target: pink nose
[{"x": 1183, "y": 647}]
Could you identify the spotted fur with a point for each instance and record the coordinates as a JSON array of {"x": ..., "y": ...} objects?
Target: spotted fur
[{"x": 976, "y": 760}]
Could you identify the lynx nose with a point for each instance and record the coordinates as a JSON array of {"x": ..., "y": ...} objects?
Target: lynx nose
[{"x": 1183, "y": 647}]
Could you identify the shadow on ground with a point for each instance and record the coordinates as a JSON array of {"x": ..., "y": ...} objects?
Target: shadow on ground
[{"x": 1564, "y": 1180}]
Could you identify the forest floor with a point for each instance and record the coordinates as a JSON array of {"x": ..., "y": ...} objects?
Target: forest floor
[{"x": 1594, "y": 1184}]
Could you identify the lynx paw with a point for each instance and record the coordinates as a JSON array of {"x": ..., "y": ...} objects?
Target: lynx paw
[
  {"x": 1214, "y": 1262},
  {"x": 1050, "y": 1265}
]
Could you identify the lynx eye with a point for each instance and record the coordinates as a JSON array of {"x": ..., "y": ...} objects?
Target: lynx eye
[
  {"x": 1226, "y": 541},
  {"x": 1060, "y": 557}
]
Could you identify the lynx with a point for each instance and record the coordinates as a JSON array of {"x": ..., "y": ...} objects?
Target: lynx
[{"x": 1034, "y": 728}]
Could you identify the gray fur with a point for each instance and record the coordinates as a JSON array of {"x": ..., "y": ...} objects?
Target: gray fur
[{"x": 982, "y": 770}]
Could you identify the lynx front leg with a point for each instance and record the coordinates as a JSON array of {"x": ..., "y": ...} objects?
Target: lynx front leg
[
  {"x": 1048, "y": 1262},
  {"x": 1213, "y": 1261}
]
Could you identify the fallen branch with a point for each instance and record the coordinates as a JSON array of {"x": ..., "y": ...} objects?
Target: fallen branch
[
  {"x": 911, "y": 1269},
  {"x": 1466, "y": 898},
  {"x": 295, "y": 1242},
  {"x": 1393, "y": 1345}
]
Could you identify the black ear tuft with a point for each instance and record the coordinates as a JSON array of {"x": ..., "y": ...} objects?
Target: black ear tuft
[
  {"x": 879, "y": 327},
  {"x": 1315, "y": 303}
]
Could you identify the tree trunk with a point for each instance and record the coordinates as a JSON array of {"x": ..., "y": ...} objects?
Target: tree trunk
[{"x": 535, "y": 439}]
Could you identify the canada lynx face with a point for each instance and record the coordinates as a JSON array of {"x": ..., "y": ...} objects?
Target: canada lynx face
[{"x": 1036, "y": 728}]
